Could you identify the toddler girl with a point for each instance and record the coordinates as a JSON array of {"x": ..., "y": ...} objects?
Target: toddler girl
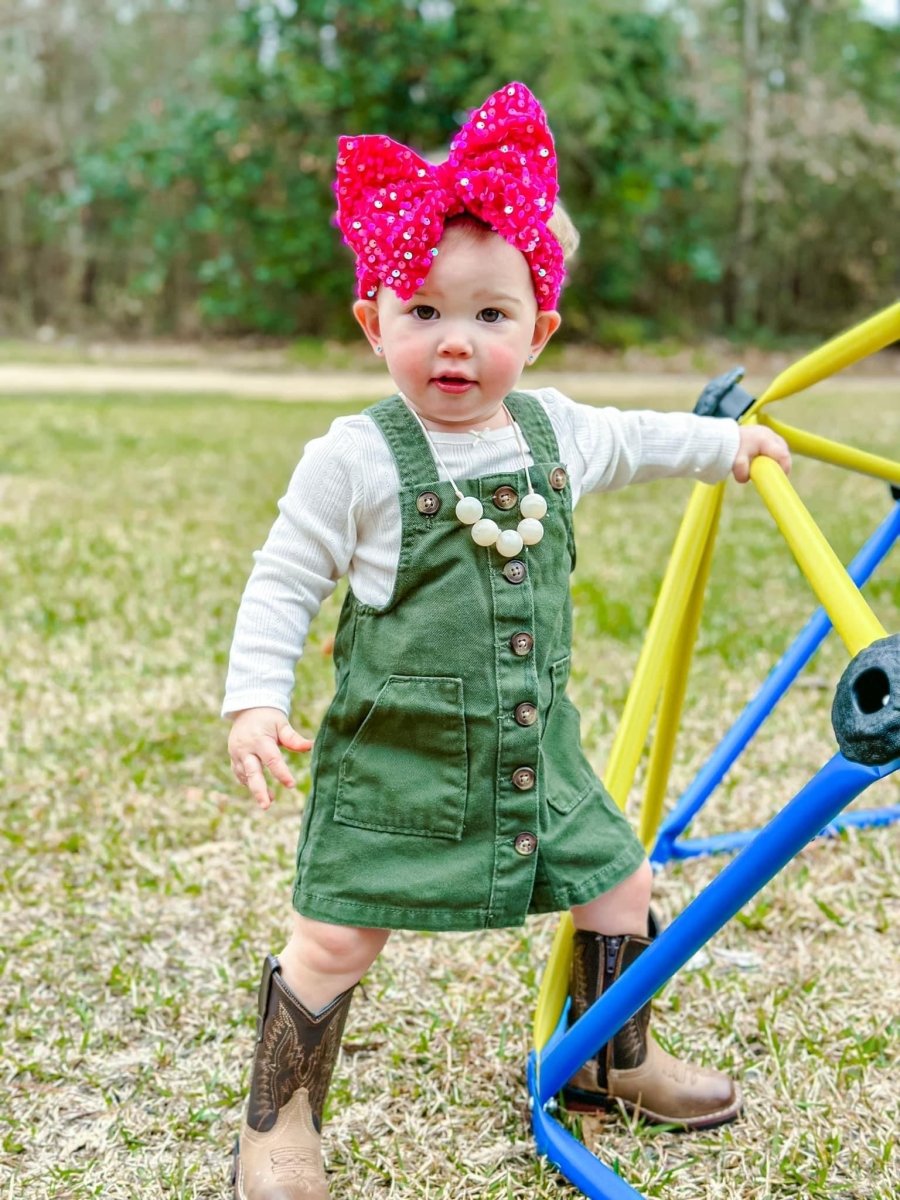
[{"x": 449, "y": 787}]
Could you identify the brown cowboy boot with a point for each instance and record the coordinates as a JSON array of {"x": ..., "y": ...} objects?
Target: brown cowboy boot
[
  {"x": 632, "y": 1068},
  {"x": 278, "y": 1155}
]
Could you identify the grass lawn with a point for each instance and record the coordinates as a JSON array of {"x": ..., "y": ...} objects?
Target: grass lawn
[{"x": 140, "y": 889}]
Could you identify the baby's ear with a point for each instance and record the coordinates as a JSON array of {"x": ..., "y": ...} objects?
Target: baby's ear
[
  {"x": 366, "y": 313},
  {"x": 545, "y": 326}
]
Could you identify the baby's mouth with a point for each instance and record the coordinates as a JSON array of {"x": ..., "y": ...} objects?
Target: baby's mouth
[{"x": 455, "y": 384}]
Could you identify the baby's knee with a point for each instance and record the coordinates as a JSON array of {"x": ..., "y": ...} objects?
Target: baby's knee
[
  {"x": 329, "y": 948},
  {"x": 637, "y": 889},
  {"x": 642, "y": 880}
]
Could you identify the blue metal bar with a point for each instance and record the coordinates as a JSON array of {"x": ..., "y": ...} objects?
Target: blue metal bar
[
  {"x": 818, "y": 803},
  {"x": 779, "y": 680},
  {"x": 728, "y": 843},
  {"x": 581, "y": 1167}
]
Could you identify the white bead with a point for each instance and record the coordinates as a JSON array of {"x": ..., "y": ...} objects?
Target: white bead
[
  {"x": 486, "y": 532},
  {"x": 509, "y": 543},
  {"x": 533, "y": 505},
  {"x": 530, "y": 531},
  {"x": 469, "y": 510}
]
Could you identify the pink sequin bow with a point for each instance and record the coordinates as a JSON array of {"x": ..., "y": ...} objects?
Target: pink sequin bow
[{"x": 392, "y": 204}]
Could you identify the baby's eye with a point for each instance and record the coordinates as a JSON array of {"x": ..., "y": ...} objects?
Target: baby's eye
[
  {"x": 424, "y": 312},
  {"x": 491, "y": 315}
]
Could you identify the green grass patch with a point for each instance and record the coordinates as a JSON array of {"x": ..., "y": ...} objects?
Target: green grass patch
[{"x": 139, "y": 889}]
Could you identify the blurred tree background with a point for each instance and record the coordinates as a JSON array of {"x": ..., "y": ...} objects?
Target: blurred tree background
[{"x": 166, "y": 165}]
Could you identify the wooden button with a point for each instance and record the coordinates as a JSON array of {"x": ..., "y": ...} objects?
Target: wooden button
[
  {"x": 521, "y": 644},
  {"x": 428, "y": 503},
  {"x": 505, "y": 497},
  {"x": 515, "y": 571},
  {"x": 525, "y": 844}
]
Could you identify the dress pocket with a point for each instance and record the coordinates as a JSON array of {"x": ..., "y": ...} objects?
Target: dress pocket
[
  {"x": 406, "y": 770},
  {"x": 567, "y": 773}
]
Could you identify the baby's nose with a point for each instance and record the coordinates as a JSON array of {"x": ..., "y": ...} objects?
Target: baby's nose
[{"x": 456, "y": 342}]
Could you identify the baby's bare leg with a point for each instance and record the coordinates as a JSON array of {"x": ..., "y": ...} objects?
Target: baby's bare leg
[
  {"x": 304, "y": 1000},
  {"x": 621, "y": 910},
  {"x": 632, "y": 1069},
  {"x": 320, "y": 960}
]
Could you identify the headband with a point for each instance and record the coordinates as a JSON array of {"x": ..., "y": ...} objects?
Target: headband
[{"x": 392, "y": 204}]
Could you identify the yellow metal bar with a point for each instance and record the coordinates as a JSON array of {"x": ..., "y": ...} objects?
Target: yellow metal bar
[
  {"x": 657, "y": 650},
  {"x": 811, "y": 445},
  {"x": 856, "y": 624},
  {"x": 847, "y": 348},
  {"x": 554, "y": 983},
  {"x": 693, "y": 544},
  {"x": 664, "y": 656},
  {"x": 669, "y": 715}
]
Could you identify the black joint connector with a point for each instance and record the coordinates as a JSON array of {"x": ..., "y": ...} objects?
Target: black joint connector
[
  {"x": 866, "y": 709},
  {"x": 723, "y": 398}
]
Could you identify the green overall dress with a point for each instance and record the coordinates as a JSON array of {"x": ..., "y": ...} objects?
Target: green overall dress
[{"x": 449, "y": 787}]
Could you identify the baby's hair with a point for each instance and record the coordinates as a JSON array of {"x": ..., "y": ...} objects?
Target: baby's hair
[
  {"x": 563, "y": 229},
  {"x": 560, "y": 225}
]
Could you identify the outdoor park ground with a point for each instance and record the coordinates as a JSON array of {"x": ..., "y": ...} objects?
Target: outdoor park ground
[{"x": 140, "y": 889}]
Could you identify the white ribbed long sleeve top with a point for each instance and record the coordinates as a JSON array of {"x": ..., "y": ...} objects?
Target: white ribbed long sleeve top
[{"x": 341, "y": 515}]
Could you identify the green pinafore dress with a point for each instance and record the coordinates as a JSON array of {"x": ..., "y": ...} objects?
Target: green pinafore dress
[{"x": 449, "y": 787}]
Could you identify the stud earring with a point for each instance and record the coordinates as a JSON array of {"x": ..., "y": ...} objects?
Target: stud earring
[
  {"x": 378, "y": 350},
  {"x": 531, "y": 358}
]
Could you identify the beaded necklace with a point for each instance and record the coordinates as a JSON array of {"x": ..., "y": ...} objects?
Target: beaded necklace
[{"x": 470, "y": 511}]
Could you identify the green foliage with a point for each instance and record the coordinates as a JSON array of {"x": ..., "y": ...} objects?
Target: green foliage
[
  {"x": 626, "y": 132},
  {"x": 236, "y": 195},
  {"x": 181, "y": 178},
  {"x": 247, "y": 180}
]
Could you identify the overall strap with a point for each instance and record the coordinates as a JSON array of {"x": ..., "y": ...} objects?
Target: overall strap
[
  {"x": 531, "y": 418},
  {"x": 405, "y": 439},
  {"x": 412, "y": 451}
]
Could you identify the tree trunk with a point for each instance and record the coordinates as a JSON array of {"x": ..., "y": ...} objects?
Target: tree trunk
[
  {"x": 744, "y": 282},
  {"x": 17, "y": 299}
]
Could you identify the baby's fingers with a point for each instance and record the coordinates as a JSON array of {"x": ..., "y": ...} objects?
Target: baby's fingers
[
  {"x": 741, "y": 468},
  {"x": 291, "y": 739},
  {"x": 255, "y": 781},
  {"x": 782, "y": 455},
  {"x": 277, "y": 767}
]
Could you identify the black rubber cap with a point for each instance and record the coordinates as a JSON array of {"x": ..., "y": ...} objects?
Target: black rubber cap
[{"x": 866, "y": 709}]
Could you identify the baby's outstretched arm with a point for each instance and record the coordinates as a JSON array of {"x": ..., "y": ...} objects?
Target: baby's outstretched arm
[
  {"x": 756, "y": 440},
  {"x": 255, "y": 741}
]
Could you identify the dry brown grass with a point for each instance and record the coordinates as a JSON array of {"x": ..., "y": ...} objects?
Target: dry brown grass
[{"x": 140, "y": 892}]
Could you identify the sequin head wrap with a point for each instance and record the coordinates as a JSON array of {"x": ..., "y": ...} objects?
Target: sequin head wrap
[{"x": 392, "y": 204}]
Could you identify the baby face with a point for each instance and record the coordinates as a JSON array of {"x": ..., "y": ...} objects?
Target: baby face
[{"x": 457, "y": 347}]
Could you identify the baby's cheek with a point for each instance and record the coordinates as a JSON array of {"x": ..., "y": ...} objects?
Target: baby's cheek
[
  {"x": 509, "y": 359},
  {"x": 405, "y": 355}
]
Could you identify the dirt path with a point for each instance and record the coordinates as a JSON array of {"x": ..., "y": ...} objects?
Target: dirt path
[{"x": 298, "y": 385}]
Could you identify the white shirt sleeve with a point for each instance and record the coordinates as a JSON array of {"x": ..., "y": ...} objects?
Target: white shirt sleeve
[
  {"x": 607, "y": 448},
  {"x": 340, "y": 515},
  {"x": 308, "y": 549}
]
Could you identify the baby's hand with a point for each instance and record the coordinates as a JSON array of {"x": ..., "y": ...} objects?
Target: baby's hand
[
  {"x": 254, "y": 741},
  {"x": 756, "y": 440}
]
